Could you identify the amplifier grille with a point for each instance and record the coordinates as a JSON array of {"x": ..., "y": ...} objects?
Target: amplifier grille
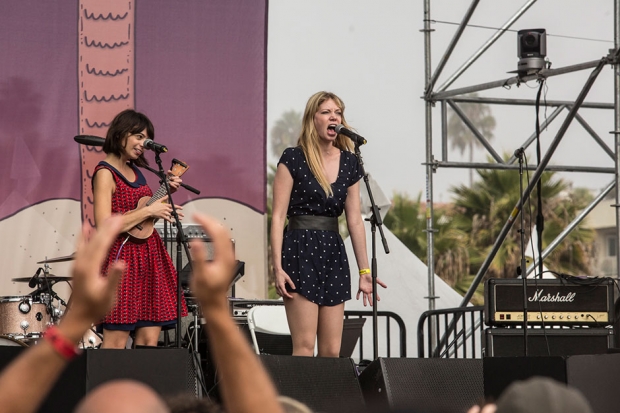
[{"x": 554, "y": 301}]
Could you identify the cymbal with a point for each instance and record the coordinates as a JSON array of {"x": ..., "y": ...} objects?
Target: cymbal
[
  {"x": 41, "y": 279},
  {"x": 58, "y": 259}
]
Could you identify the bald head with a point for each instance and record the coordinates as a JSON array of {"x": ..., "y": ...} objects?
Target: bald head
[{"x": 122, "y": 396}]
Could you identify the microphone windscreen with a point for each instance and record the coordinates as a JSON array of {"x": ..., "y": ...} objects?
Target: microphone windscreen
[{"x": 89, "y": 140}]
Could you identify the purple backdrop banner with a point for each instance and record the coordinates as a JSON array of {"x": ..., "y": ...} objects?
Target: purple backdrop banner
[
  {"x": 38, "y": 103},
  {"x": 200, "y": 75}
]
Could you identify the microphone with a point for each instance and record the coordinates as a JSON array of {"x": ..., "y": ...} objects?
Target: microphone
[
  {"x": 357, "y": 139},
  {"x": 89, "y": 140},
  {"x": 33, "y": 281},
  {"x": 155, "y": 147},
  {"x": 519, "y": 153}
]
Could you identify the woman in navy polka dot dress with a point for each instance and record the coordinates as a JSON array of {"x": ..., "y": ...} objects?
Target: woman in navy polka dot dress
[
  {"x": 314, "y": 183},
  {"x": 147, "y": 294}
]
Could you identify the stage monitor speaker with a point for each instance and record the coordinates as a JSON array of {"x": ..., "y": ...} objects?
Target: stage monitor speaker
[
  {"x": 548, "y": 342},
  {"x": 422, "y": 385},
  {"x": 325, "y": 384},
  {"x": 596, "y": 375},
  {"x": 167, "y": 371}
]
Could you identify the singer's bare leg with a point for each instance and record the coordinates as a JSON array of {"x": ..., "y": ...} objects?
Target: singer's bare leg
[
  {"x": 147, "y": 336},
  {"x": 114, "y": 339}
]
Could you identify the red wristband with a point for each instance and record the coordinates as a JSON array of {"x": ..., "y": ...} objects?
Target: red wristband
[{"x": 61, "y": 344}]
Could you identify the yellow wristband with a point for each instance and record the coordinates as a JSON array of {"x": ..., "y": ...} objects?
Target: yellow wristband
[{"x": 365, "y": 271}]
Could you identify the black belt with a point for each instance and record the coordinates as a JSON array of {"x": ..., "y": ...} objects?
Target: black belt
[{"x": 315, "y": 222}]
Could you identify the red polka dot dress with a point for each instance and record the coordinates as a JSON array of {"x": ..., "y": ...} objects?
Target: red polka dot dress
[{"x": 147, "y": 294}]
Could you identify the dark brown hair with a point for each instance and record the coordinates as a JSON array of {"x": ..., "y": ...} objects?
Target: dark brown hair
[{"x": 126, "y": 123}]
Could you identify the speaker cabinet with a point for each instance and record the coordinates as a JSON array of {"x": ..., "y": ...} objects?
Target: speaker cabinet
[
  {"x": 167, "y": 371},
  {"x": 327, "y": 385},
  {"x": 422, "y": 385},
  {"x": 548, "y": 342},
  {"x": 596, "y": 376}
]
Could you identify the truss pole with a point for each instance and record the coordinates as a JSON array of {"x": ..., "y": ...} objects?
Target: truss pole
[
  {"x": 617, "y": 126},
  {"x": 452, "y": 45},
  {"x": 535, "y": 177},
  {"x": 570, "y": 227},
  {"x": 488, "y": 44}
]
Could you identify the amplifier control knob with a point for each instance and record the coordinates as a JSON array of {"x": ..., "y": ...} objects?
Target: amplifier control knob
[
  {"x": 546, "y": 317},
  {"x": 538, "y": 316},
  {"x": 568, "y": 317},
  {"x": 561, "y": 317},
  {"x": 553, "y": 317}
]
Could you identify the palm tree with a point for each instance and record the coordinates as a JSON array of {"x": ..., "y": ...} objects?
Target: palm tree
[
  {"x": 462, "y": 137},
  {"x": 574, "y": 255},
  {"x": 485, "y": 207},
  {"x": 407, "y": 221}
]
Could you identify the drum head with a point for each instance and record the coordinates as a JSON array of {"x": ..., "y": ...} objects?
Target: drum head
[
  {"x": 10, "y": 341},
  {"x": 15, "y": 298}
]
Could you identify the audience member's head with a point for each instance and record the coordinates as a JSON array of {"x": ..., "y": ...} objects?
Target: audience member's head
[
  {"x": 122, "y": 396},
  {"x": 542, "y": 395},
  {"x": 188, "y": 403}
]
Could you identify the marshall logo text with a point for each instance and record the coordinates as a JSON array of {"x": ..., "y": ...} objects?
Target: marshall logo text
[{"x": 557, "y": 298}]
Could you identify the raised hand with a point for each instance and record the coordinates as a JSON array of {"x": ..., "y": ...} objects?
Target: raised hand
[
  {"x": 211, "y": 279},
  {"x": 93, "y": 293}
]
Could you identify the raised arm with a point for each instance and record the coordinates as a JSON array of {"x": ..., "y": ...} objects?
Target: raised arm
[
  {"x": 246, "y": 387},
  {"x": 25, "y": 382}
]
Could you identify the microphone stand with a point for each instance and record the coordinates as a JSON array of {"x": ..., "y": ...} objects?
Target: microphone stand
[
  {"x": 181, "y": 241},
  {"x": 519, "y": 153},
  {"x": 375, "y": 221}
]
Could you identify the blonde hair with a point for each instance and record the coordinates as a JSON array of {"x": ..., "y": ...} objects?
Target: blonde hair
[{"x": 309, "y": 137}]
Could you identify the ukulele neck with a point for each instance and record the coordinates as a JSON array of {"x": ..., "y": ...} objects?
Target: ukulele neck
[{"x": 159, "y": 194}]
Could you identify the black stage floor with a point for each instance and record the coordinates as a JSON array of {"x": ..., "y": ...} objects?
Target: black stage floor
[{"x": 336, "y": 385}]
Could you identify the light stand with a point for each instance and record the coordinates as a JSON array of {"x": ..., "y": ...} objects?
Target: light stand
[{"x": 375, "y": 221}]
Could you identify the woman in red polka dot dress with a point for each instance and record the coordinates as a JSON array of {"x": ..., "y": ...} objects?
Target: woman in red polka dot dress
[{"x": 147, "y": 295}]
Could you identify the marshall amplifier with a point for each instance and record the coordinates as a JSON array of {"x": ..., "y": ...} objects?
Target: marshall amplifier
[
  {"x": 550, "y": 302},
  {"x": 556, "y": 341}
]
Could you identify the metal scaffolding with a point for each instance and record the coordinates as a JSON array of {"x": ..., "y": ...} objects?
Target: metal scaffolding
[{"x": 442, "y": 98}]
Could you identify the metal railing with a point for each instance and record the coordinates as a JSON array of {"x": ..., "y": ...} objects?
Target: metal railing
[
  {"x": 458, "y": 333},
  {"x": 390, "y": 319}
]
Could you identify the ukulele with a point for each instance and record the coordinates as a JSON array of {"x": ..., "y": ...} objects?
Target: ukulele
[{"x": 145, "y": 228}]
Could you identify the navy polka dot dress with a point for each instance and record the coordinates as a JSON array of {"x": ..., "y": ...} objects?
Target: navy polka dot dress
[{"x": 316, "y": 260}]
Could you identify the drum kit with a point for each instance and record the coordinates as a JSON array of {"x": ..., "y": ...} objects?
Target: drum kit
[{"x": 23, "y": 319}]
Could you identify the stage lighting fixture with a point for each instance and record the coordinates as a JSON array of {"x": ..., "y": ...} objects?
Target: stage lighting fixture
[{"x": 532, "y": 48}]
